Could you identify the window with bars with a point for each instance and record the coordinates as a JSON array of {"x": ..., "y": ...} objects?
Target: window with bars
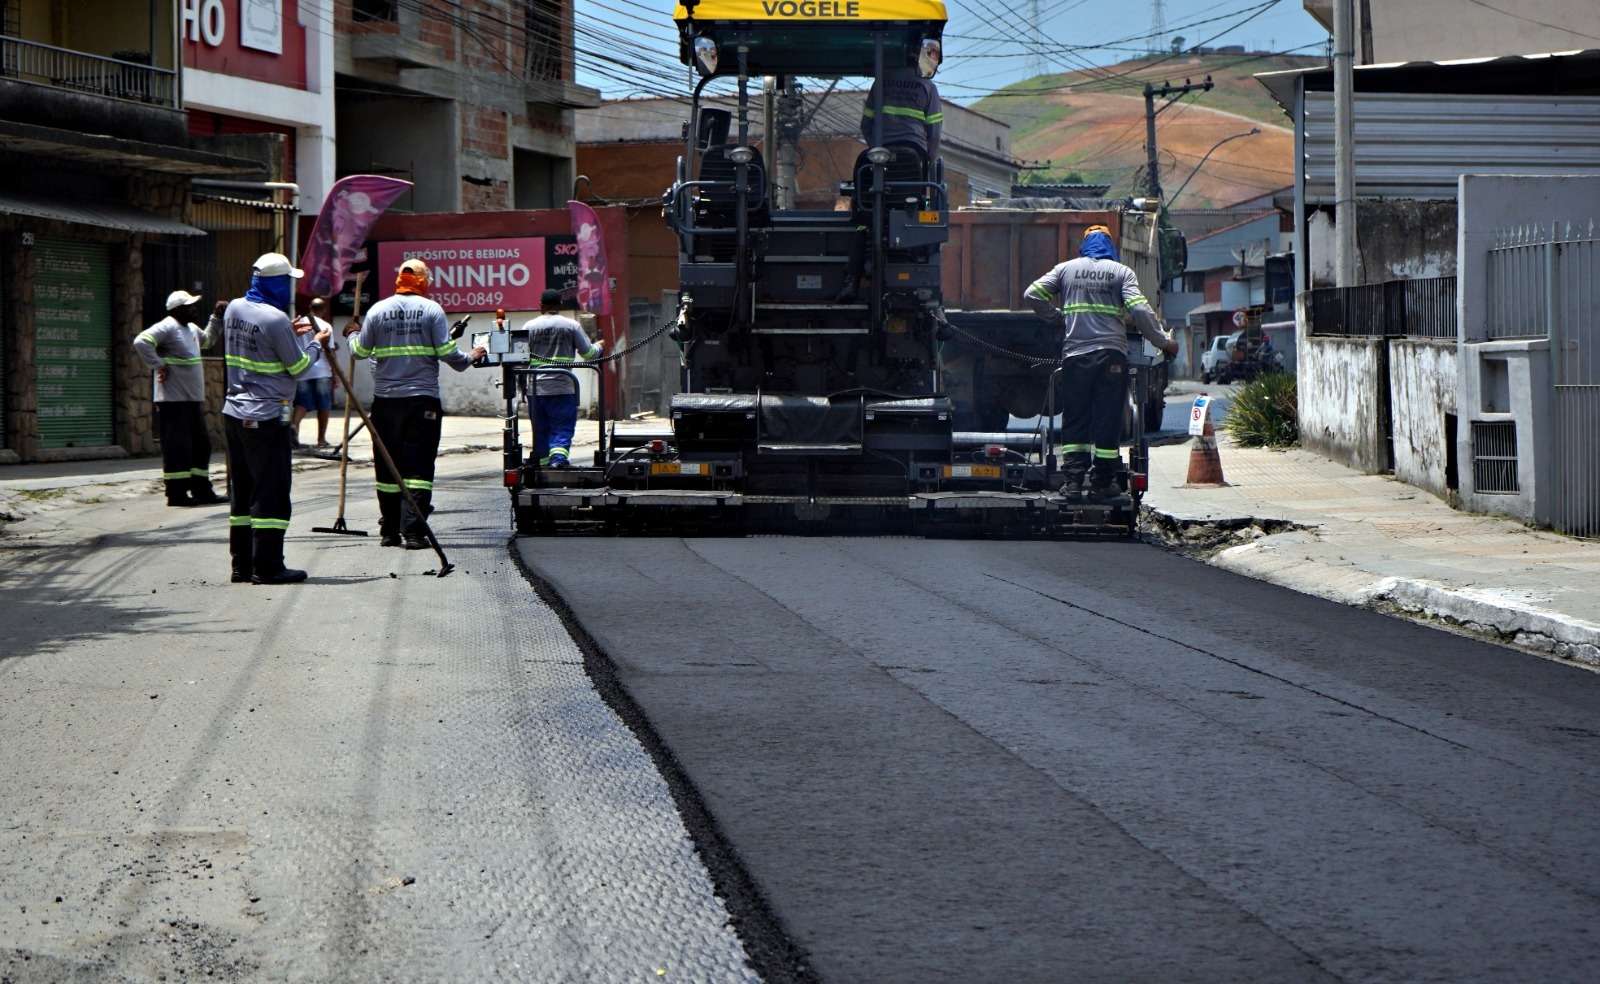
[
  {"x": 543, "y": 23},
  {"x": 11, "y": 17},
  {"x": 1494, "y": 457},
  {"x": 376, "y": 10}
]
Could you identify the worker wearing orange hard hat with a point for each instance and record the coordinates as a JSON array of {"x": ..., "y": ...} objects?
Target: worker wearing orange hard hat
[{"x": 407, "y": 336}]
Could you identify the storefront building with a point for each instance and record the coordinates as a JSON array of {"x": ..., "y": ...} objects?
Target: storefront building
[
  {"x": 264, "y": 67},
  {"x": 98, "y": 171}
]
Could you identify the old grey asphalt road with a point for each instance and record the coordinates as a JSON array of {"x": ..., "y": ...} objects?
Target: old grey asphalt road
[
  {"x": 364, "y": 778},
  {"x": 1100, "y": 762}
]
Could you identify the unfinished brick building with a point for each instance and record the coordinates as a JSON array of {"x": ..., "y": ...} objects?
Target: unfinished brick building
[{"x": 472, "y": 101}]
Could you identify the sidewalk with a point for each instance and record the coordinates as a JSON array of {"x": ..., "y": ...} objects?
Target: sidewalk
[
  {"x": 28, "y": 490},
  {"x": 1303, "y": 522}
]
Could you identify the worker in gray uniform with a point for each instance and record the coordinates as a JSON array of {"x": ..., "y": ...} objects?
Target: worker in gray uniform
[
  {"x": 172, "y": 348},
  {"x": 912, "y": 115},
  {"x": 264, "y": 355},
  {"x": 912, "y": 118},
  {"x": 555, "y": 340},
  {"x": 407, "y": 336},
  {"x": 1090, "y": 296}
]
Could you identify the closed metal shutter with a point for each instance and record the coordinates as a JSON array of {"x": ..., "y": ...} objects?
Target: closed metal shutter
[{"x": 72, "y": 342}]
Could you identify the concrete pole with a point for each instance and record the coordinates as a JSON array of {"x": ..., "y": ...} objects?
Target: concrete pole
[
  {"x": 1152, "y": 177},
  {"x": 1344, "y": 151},
  {"x": 791, "y": 111},
  {"x": 769, "y": 136}
]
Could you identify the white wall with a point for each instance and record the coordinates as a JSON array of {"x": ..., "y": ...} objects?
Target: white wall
[
  {"x": 1488, "y": 205},
  {"x": 1422, "y": 389},
  {"x": 1439, "y": 30},
  {"x": 1337, "y": 383}
]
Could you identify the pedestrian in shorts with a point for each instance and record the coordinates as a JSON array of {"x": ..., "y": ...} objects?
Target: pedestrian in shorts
[{"x": 314, "y": 390}]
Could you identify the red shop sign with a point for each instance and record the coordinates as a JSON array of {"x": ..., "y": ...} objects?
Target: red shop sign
[{"x": 478, "y": 274}]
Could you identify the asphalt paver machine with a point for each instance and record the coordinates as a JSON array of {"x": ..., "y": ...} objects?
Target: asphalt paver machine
[{"x": 813, "y": 396}]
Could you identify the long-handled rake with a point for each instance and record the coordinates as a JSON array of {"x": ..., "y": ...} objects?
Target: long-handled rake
[{"x": 339, "y": 525}]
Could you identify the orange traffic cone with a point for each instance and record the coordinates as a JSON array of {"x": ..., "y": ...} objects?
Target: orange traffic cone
[{"x": 1205, "y": 464}]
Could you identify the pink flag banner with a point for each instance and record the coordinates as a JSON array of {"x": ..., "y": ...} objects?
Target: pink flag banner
[
  {"x": 594, "y": 293},
  {"x": 351, "y": 209}
]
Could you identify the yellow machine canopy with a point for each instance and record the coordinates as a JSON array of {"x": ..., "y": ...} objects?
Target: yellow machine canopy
[
  {"x": 808, "y": 37},
  {"x": 814, "y": 10}
]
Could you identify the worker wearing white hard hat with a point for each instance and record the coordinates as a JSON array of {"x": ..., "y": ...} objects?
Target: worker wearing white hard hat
[
  {"x": 264, "y": 355},
  {"x": 171, "y": 348}
]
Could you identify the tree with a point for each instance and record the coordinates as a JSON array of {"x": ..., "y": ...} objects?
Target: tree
[{"x": 1177, "y": 44}]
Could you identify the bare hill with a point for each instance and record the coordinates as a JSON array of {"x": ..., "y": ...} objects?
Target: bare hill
[{"x": 1087, "y": 127}]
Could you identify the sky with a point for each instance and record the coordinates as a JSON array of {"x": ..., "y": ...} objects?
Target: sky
[{"x": 626, "y": 47}]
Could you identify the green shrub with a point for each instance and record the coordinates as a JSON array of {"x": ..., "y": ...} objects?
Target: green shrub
[{"x": 1264, "y": 413}]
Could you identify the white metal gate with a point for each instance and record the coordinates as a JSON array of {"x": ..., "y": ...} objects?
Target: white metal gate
[
  {"x": 1544, "y": 282},
  {"x": 1575, "y": 370}
]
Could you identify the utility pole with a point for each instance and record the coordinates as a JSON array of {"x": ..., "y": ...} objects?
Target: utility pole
[
  {"x": 1344, "y": 151},
  {"x": 769, "y": 133},
  {"x": 791, "y": 124},
  {"x": 1171, "y": 93}
]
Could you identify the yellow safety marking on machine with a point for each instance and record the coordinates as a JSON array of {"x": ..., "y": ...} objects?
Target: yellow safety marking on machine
[
  {"x": 972, "y": 471},
  {"x": 865, "y": 10},
  {"x": 679, "y": 468},
  {"x": 928, "y": 218}
]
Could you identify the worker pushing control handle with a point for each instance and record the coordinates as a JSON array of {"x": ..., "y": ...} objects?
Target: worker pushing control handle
[{"x": 1089, "y": 296}]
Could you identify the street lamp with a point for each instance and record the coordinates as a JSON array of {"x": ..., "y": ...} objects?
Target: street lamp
[{"x": 1237, "y": 136}]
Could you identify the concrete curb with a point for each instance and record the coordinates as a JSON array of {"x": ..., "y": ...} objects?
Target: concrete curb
[
  {"x": 1246, "y": 546},
  {"x": 1522, "y": 624}
]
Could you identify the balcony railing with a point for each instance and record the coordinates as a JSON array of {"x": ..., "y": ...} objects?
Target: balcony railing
[{"x": 43, "y": 64}]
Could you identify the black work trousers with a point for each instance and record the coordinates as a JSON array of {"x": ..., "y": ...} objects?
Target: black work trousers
[
  {"x": 409, "y": 428},
  {"x": 185, "y": 447},
  {"x": 259, "y": 477},
  {"x": 1091, "y": 394}
]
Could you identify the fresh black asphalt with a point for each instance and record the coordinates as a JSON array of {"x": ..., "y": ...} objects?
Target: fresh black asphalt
[{"x": 993, "y": 761}]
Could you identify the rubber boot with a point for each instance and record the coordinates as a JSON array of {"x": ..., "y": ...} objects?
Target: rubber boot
[
  {"x": 1074, "y": 469},
  {"x": 241, "y": 549},
  {"x": 412, "y": 523},
  {"x": 202, "y": 494},
  {"x": 1103, "y": 479},
  {"x": 178, "y": 492},
  {"x": 269, "y": 567},
  {"x": 389, "y": 518}
]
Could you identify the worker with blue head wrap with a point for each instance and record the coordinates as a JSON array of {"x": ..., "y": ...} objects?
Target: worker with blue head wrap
[
  {"x": 1090, "y": 296},
  {"x": 264, "y": 354}
]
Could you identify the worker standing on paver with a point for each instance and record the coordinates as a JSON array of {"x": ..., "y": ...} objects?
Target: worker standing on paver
[
  {"x": 264, "y": 354},
  {"x": 912, "y": 117},
  {"x": 1091, "y": 295},
  {"x": 554, "y": 340},
  {"x": 407, "y": 336},
  {"x": 172, "y": 348},
  {"x": 912, "y": 114}
]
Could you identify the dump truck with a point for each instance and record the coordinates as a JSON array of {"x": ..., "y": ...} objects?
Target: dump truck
[{"x": 816, "y": 395}]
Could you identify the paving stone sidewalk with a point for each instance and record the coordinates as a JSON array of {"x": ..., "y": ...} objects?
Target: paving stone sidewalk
[
  {"x": 1373, "y": 541},
  {"x": 377, "y": 775}
]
